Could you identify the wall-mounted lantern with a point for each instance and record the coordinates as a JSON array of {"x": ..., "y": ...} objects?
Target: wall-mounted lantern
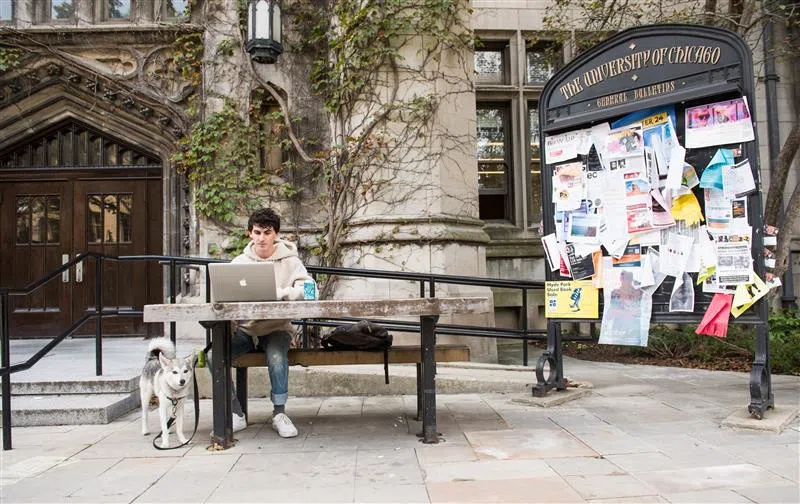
[{"x": 264, "y": 30}]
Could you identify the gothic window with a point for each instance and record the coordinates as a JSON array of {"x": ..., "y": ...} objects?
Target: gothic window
[{"x": 495, "y": 161}]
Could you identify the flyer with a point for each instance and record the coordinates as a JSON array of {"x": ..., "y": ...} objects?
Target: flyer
[
  {"x": 571, "y": 299},
  {"x": 734, "y": 262},
  {"x": 638, "y": 203},
  {"x": 569, "y": 186},
  {"x": 625, "y": 142},
  {"x": 580, "y": 261},
  {"x": 737, "y": 180},
  {"x": 720, "y": 123},
  {"x": 682, "y": 298},
  {"x": 675, "y": 253},
  {"x": 626, "y": 308},
  {"x": 719, "y": 211},
  {"x": 563, "y": 147},
  {"x": 550, "y": 245},
  {"x": 584, "y": 228}
]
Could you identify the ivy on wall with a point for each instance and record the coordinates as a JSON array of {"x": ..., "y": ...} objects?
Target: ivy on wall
[
  {"x": 10, "y": 58},
  {"x": 229, "y": 160}
]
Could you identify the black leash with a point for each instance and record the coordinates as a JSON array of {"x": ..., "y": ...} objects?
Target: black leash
[{"x": 172, "y": 419}]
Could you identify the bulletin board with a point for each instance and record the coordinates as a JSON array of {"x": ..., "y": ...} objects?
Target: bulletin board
[{"x": 655, "y": 115}]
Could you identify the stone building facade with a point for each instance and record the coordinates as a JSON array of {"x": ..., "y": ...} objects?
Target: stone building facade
[{"x": 93, "y": 108}]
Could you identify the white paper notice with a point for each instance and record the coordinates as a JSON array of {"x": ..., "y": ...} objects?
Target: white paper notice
[
  {"x": 550, "y": 244},
  {"x": 563, "y": 147},
  {"x": 682, "y": 298},
  {"x": 675, "y": 173},
  {"x": 675, "y": 253},
  {"x": 737, "y": 180}
]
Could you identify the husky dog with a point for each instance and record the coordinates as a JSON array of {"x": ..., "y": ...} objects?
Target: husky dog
[{"x": 168, "y": 378}]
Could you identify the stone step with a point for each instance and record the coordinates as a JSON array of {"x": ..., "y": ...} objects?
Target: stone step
[
  {"x": 98, "y": 385},
  {"x": 71, "y": 409}
]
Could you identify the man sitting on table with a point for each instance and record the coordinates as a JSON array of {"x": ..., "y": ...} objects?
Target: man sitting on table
[{"x": 271, "y": 336}]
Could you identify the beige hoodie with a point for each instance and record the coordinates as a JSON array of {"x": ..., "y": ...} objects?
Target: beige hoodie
[{"x": 290, "y": 274}]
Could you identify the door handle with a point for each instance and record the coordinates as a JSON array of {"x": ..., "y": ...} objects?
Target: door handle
[
  {"x": 65, "y": 273},
  {"x": 79, "y": 272}
]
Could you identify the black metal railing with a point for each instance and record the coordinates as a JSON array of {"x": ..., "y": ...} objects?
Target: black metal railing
[{"x": 427, "y": 285}]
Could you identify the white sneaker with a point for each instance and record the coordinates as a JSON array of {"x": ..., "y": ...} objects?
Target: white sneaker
[
  {"x": 283, "y": 426},
  {"x": 239, "y": 423}
]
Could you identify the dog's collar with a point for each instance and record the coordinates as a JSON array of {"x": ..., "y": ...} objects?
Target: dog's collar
[{"x": 174, "y": 400}]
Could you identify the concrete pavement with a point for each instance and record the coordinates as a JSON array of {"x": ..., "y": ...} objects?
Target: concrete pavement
[{"x": 643, "y": 434}]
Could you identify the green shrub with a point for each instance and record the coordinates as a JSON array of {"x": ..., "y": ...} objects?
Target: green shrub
[{"x": 784, "y": 342}]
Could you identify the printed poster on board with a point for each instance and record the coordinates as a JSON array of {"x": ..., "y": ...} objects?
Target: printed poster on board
[{"x": 571, "y": 299}]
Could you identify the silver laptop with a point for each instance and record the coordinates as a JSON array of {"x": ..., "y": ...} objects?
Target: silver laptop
[{"x": 242, "y": 282}]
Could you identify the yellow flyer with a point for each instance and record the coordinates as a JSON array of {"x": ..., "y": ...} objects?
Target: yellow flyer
[{"x": 571, "y": 299}]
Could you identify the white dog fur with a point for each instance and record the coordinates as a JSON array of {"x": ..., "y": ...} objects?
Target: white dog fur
[{"x": 168, "y": 378}]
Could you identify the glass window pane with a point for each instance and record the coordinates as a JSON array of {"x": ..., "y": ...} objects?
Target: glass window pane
[
  {"x": 82, "y": 149},
  {"x": 6, "y": 10},
  {"x": 66, "y": 148},
  {"x": 38, "y": 154},
  {"x": 126, "y": 158},
  {"x": 95, "y": 151},
  {"x": 540, "y": 66},
  {"x": 62, "y": 9},
  {"x": 110, "y": 218},
  {"x": 262, "y": 19},
  {"x": 175, "y": 8},
  {"x": 533, "y": 126},
  {"x": 23, "y": 220},
  {"x": 125, "y": 219},
  {"x": 535, "y": 208},
  {"x": 119, "y": 9},
  {"x": 492, "y": 168},
  {"x": 492, "y": 176},
  {"x": 111, "y": 154},
  {"x": 489, "y": 63},
  {"x": 276, "y": 22},
  {"x": 491, "y": 134},
  {"x": 94, "y": 215},
  {"x": 52, "y": 151},
  {"x": 38, "y": 220},
  {"x": 53, "y": 219}
]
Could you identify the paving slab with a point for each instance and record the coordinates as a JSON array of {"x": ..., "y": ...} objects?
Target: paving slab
[{"x": 644, "y": 434}]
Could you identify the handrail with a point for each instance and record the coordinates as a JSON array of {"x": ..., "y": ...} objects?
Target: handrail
[{"x": 174, "y": 262}]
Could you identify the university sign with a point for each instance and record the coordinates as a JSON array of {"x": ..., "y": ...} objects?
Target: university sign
[{"x": 643, "y": 67}]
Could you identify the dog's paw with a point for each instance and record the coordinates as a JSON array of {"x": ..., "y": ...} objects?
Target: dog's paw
[
  {"x": 145, "y": 432},
  {"x": 164, "y": 443},
  {"x": 183, "y": 439}
]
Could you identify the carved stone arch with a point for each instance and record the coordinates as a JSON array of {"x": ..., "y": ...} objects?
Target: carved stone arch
[{"x": 48, "y": 92}]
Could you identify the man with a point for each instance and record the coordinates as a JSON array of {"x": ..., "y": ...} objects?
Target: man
[{"x": 271, "y": 336}]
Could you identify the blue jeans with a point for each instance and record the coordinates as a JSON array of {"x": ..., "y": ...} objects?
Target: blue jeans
[{"x": 275, "y": 345}]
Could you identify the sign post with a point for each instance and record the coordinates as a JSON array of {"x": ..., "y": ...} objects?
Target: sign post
[{"x": 650, "y": 181}]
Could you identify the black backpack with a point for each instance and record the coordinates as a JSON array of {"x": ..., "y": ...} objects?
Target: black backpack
[{"x": 363, "y": 335}]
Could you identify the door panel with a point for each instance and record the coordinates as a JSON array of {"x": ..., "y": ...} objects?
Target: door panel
[
  {"x": 35, "y": 234},
  {"x": 111, "y": 219}
]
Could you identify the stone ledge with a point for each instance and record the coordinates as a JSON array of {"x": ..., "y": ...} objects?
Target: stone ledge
[
  {"x": 775, "y": 420},
  {"x": 553, "y": 398}
]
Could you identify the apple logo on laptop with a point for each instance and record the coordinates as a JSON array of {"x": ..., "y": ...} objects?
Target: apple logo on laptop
[{"x": 243, "y": 282}]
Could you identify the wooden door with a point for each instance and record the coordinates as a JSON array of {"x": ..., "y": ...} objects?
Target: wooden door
[
  {"x": 36, "y": 238},
  {"x": 72, "y": 189},
  {"x": 111, "y": 218}
]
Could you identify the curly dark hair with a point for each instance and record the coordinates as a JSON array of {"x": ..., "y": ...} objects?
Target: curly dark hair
[{"x": 265, "y": 218}]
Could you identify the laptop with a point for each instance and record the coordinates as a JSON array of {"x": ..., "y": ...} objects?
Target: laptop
[{"x": 242, "y": 282}]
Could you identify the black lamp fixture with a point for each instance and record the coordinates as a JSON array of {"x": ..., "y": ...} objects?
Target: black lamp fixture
[{"x": 264, "y": 30}]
